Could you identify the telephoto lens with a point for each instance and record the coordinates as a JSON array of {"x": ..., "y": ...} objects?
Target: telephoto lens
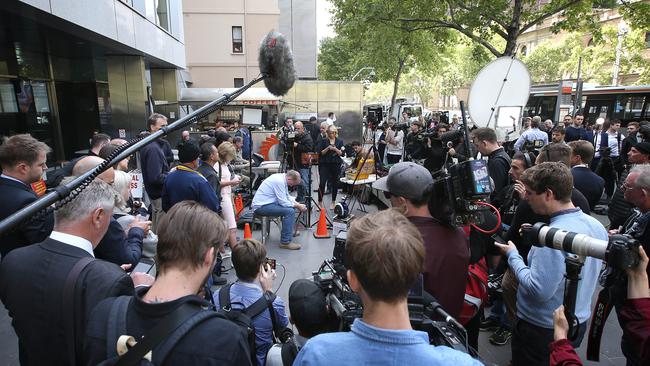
[{"x": 620, "y": 251}]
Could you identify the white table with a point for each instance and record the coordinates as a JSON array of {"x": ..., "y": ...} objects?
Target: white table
[{"x": 357, "y": 188}]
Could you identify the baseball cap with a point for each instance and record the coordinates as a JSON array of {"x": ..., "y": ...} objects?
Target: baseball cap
[
  {"x": 307, "y": 305},
  {"x": 643, "y": 147},
  {"x": 188, "y": 152},
  {"x": 407, "y": 180}
]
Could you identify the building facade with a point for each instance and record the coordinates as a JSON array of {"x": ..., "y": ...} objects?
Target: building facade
[
  {"x": 223, "y": 37},
  {"x": 71, "y": 68},
  {"x": 298, "y": 24}
]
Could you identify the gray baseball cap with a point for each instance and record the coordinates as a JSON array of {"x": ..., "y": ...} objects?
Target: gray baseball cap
[{"x": 408, "y": 180}]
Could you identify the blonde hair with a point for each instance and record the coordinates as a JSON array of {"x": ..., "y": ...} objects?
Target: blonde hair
[
  {"x": 121, "y": 182},
  {"x": 227, "y": 152},
  {"x": 333, "y": 129}
]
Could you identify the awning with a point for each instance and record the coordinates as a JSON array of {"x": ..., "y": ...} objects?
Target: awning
[{"x": 252, "y": 96}]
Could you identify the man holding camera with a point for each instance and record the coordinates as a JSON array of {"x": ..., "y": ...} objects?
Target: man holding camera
[
  {"x": 394, "y": 142},
  {"x": 385, "y": 253},
  {"x": 302, "y": 144},
  {"x": 254, "y": 283},
  {"x": 408, "y": 186},
  {"x": 415, "y": 145},
  {"x": 541, "y": 281},
  {"x": 498, "y": 163},
  {"x": 533, "y": 135}
]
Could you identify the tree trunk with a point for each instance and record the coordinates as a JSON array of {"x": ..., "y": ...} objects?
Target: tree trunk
[{"x": 396, "y": 86}]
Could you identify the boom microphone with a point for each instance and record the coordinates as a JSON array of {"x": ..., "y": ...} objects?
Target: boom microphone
[{"x": 276, "y": 64}]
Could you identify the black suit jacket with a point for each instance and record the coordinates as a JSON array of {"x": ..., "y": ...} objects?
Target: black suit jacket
[
  {"x": 590, "y": 184},
  {"x": 32, "y": 280},
  {"x": 14, "y": 196}
]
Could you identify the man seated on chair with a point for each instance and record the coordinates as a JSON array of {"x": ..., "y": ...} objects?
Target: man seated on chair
[{"x": 272, "y": 199}]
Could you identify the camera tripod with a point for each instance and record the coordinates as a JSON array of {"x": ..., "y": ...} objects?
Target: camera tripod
[{"x": 305, "y": 219}]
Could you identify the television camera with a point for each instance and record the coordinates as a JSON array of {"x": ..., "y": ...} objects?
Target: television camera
[
  {"x": 533, "y": 146},
  {"x": 347, "y": 306}
]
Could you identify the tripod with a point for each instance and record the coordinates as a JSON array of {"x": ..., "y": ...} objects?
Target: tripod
[{"x": 309, "y": 200}]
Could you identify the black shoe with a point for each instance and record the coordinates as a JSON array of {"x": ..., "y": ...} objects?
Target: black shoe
[
  {"x": 501, "y": 337},
  {"x": 218, "y": 281},
  {"x": 489, "y": 325}
]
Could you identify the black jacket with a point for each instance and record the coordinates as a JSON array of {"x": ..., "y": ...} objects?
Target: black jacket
[
  {"x": 498, "y": 167},
  {"x": 215, "y": 341},
  {"x": 626, "y": 145},
  {"x": 155, "y": 168},
  {"x": 330, "y": 157},
  {"x": 14, "y": 196},
  {"x": 305, "y": 144},
  {"x": 118, "y": 247},
  {"x": 32, "y": 280},
  {"x": 589, "y": 184},
  {"x": 211, "y": 175},
  {"x": 619, "y": 209}
]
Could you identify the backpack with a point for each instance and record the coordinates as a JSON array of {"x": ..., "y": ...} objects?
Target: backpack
[
  {"x": 244, "y": 316},
  {"x": 476, "y": 291},
  {"x": 157, "y": 343}
]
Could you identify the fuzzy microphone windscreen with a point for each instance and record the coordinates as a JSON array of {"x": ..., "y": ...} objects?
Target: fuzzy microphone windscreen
[{"x": 276, "y": 63}]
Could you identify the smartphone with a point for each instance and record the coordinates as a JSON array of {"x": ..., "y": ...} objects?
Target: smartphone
[
  {"x": 271, "y": 262},
  {"x": 498, "y": 239}
]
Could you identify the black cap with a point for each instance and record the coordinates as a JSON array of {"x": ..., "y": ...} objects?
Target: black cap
[
  {"x": 188, "y": 152},
  {"x": 312, "y": 118},
  {"x": 308, "y": 307},
  {"x": 643, "y": 147}
]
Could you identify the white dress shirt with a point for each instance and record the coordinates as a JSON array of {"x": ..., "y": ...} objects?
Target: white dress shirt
[
  {"x": 75, "y": 241},
  {"x": 274, "y": 189}
]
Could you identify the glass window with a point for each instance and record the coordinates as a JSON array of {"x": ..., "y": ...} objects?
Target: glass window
[
  {"x": 162, "y": 14},
  {"x": 41, "y": 101},
  {"x": 239, "y": 82},
  {"x": 7, "y": 97},
  {"x": 237, "y": 40}
]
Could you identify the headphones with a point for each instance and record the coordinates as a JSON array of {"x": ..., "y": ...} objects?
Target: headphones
[{"x": 528, "y": 161}]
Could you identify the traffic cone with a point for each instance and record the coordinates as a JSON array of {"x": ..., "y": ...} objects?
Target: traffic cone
[
  {"x": 239, "y": 206},
  {"x": 247, "y": 231},
  {"x": 321, "y": 229}
]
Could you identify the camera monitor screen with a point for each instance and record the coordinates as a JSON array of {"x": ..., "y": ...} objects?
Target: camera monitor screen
[{"x": 482, "y": 185}]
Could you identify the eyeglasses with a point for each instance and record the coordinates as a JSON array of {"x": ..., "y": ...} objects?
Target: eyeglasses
[{"x": 625, "y": 187}]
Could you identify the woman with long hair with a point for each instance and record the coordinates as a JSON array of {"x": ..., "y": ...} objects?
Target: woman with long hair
[
  {"x": 331, "y": 149},
  {"x": 227, "y": 153}
]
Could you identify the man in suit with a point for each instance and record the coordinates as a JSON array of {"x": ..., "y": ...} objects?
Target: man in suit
[
  {"x": 49, "y": 325},
  {"x": 590, "y": 184},
  {"x": 22, "y": 158},
  {"x": 155, "y": 167},
  {"x": 118, "y": 246}
]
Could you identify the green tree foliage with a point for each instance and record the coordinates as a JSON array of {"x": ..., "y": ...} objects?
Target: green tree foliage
[
  {"x": 551, "y": 61},
  {"x": 483, "y": 21}
]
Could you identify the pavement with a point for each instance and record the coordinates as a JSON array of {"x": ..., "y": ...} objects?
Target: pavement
[{"x": 293, "y": 265}]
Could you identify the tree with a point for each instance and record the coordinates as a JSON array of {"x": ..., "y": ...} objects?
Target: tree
[
  {"x": 391, "y": 52},
  {"x": 551, "y": 61},
  {"x": 483, "y": 20}
]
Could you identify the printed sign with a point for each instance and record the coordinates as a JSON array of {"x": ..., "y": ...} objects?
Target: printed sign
[
  {"x": 121, "y": 132},
  {"x": 136, "y": 184}
]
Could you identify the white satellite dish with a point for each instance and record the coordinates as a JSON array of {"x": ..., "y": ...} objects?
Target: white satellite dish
[{"x": 499, "y": 93}]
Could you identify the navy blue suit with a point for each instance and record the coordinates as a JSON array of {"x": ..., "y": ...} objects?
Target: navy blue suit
[
  {"x": 589, "y": 184},
  {"x": 118, "y": 247},
  {"x": 182, "y": 185},
  {"x": 14, "y": 196},
  {"x": 154, "y": 168}
]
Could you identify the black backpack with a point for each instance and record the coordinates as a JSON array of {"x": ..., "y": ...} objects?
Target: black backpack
[
  {"x": 243, "y": 316},
  {"x": 160, "y": 340}
]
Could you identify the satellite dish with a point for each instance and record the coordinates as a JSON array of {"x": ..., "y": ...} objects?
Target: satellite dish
[{"x": 499, "y": 93}]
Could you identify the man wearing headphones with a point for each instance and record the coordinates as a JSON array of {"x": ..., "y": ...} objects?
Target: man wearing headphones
[{"x": 409, "y": 186}]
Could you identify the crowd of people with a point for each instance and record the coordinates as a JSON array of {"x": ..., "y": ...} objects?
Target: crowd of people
[{"x": 67, "y": 276}]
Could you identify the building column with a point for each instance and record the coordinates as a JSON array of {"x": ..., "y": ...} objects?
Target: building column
[{"x": 127, "y": 85}]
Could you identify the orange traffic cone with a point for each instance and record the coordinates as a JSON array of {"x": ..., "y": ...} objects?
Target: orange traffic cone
[
  {"x": 247, "y": 231},
  {"x": 239, "y": 206},
  {"x": 321, "y": 229}
]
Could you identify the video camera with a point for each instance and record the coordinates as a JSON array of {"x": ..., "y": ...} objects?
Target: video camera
[
  {"x": 459, "y": 190},
  {"x": 288, "y": 137},
  {"x": 533, "y": 146},
  {"x": 331, "y": 277}
]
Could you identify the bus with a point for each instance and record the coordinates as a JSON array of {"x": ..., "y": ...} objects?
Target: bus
[{"x": 626, "y": 103}]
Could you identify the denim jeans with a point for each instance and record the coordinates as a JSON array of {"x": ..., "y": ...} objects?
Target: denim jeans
[
  {"x": 288, "y": 215},
  {"x": 305, "y": 184}
]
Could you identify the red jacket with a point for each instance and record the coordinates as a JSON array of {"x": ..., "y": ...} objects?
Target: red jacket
[{"x": 636, "y": 313}]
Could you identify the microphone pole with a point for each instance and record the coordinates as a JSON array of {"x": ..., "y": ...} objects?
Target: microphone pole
[{"x": 69, "y": 191}]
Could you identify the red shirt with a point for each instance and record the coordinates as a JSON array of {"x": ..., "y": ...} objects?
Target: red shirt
[{"x": 445, "y": 264}]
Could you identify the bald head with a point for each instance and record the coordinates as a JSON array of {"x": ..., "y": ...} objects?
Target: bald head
[{"x": 89, "y": 163}]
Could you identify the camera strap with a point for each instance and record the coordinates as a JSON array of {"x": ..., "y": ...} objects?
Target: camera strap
[{"x": 599, "y": 317}]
